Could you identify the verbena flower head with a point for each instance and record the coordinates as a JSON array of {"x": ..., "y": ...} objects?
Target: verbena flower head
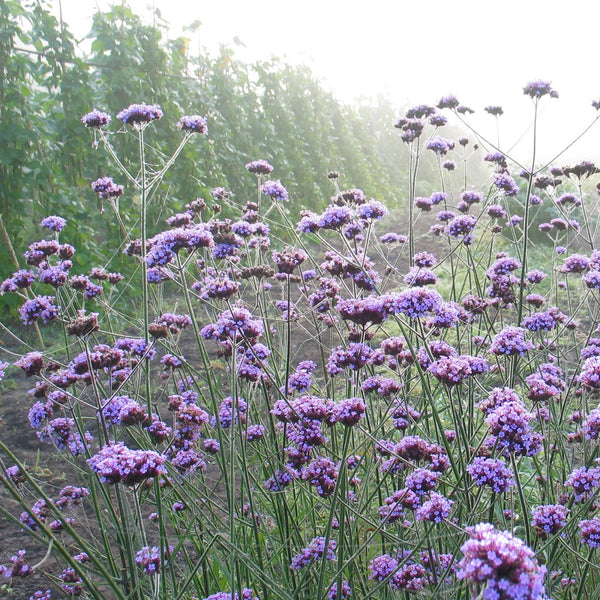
[
  {"x": 116, "y": 463},
  {"x": 106, "y": 188},
  {"x": 491, "y": 472},
  {"x": 589, "y": 530},
  {"x": 549, "y": 518},
  {"x": 259, "y": 167},
  {"x": 53, "y": 223},
  {"x": 539, "y": 88},
  {"x": 40, "y": 307},
  {"x": 96, "y": 119},
  {"x": 503, "y": 563},
  {"x": 140, "y": 114},
  {"x": 590, "y": 373},
  {"x": 275, "y": 190},
  {"x": 313, "y": 552},
  {"x": 193, "y": 124},
  {"x": 435, "y": 509},
  {"x": 510, "y": 341}
]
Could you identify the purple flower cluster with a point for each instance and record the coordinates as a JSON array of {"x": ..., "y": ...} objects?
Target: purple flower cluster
[
  {"x": 106, "y": 188},
  {"x": 40, "y": 307},
  {"x": 17, "y": 568},
  {"x": 96, "y": 119},
  {"x": 510, "y": 341},
  {"x": 275, "y": 190},
  {"x": 539, "y": 88},
  {"x": 548, "y": 519},
  {"x": 511, "y": 431},
  {"x": 149, "y": 558},
  {"x": 193, "y": 124},
  {"x": 116, "y": 463},
  {"x": 502, "y": 562},
  {"x": 316, "y": 549},
  {"x": 491, "y": 472},
  {"x": 259, "y": 167},
  {"x": 584, "y": 482},
  {"x": 435, "y": 509},
  {"x": 589, "y": 530},
  {"x": 54, "y": 223},
  {"x": 140, "y": 114}
]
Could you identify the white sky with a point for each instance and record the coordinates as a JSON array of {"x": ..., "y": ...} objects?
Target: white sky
[{"x": 415, "y": 52}]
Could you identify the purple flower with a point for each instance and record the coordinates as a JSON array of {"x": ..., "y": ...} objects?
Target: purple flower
[
  {"x": 462, "y": 225},
  {"x": 438, "y": 120},
  {"x": 275, "y": 190},
  {"x": 591, "y": 425},
  {"x": 421, "y": 481},
  {"x": 193, "y": 123},
  {"x": 584, "y": 482},
  {"x": 335, "y": 217},
  {"x": 549, "y": 518},
  {"x": 592, "y": 279},
  {"x": 349, "y": 412},
  {"x": 139, "y": 114},
  {"x": 491, "y": 472},
  {"x": 322, "y": 473},
  {"x": 589, "y": 530},
  {"x": 341, "y": 593},
  {"x": 32, "y": 363},
  {"x": 53, "y": 223},
  {"x": 510, "y": 341},
  {"x": 150, "y": 560},
  {"x": 413, "y": 302},
  {"x": 354, "y": 357},
  {"x": 448, "y": 102},
  {"x": 17, "y": 568},
  {"x": 392, "y": 238},
  {"x": 576, "y": 263},
  {"x": 494, "y": 110},
  {"x": 506, "y": 183},
  {"x": 372, "y": 210},
  {"x": 542, "y": 321},
  {"x": 440, "y": 145},
  {"x": 451, "y": 370},
  {"x": 539, "y": 88},
  {"x": 590, "y": 373},
  {"x": 436, "y": 509},
  {"x": 382, "y": 567},
  {"x": 509, "y": 426},
  {"x": 116, "y": 463},
  {"x": 40, "y": 307},
  {"x": 411, "y": 577},
  {"x": 96, "y": 119},
  {"x": 423, "y": 203},
  {"x": 259, "y": 167},
  {"x": 503, "y": 562},
  {"x": 106, "y": 188},
  {"x": 247, "y": 594},
  {"x": 313, "y": 552}
]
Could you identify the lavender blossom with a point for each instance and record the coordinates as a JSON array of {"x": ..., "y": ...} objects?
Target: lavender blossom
[
  {"x": 491, "y": 472},
  {"x": 503, "y": 563},
  {"x": 314, "y": 552},
  {"x": 275, "y": 190},
  {"x": 510, "y": 341},
  {"x": 193, "y": 124},
  {"x": 140, "y": 114},
  {"x": 549, "y": 519},
  {"x": 96, "y": 119}
]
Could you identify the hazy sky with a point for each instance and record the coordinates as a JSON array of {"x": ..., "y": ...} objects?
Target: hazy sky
[{"x": 414, "y": 53}]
